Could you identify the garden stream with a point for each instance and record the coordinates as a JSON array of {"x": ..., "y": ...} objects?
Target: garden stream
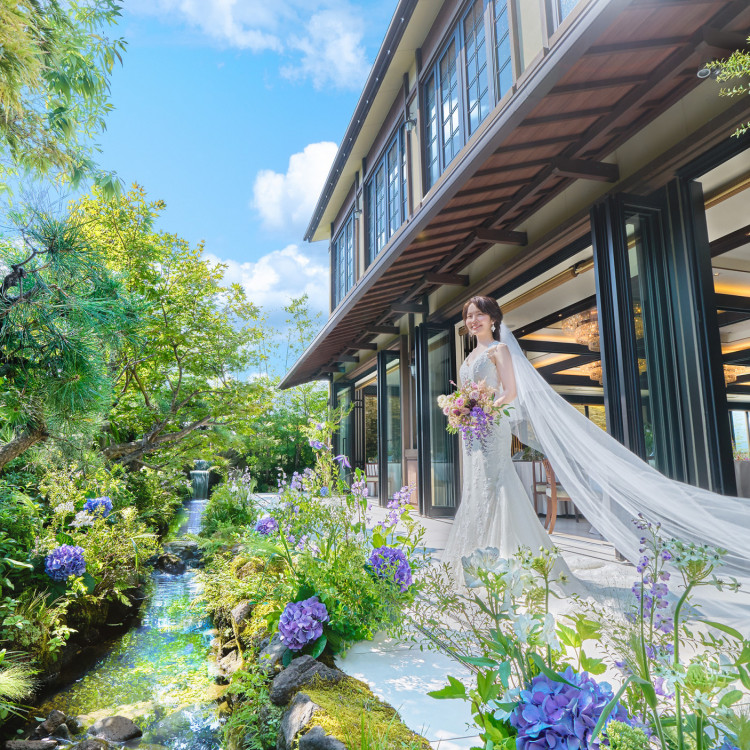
[{"x": 158, "y": 673}]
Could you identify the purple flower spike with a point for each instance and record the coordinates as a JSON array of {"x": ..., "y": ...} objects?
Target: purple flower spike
[
  {"x": 65, "y": 561},
  {"x": 98, "y": 506},
  {"x": 267, "y": 525},
  {"x": 555, "y": 714},
  {"x": 392, "y": 564},
  {"x": 302, "y": 623}
]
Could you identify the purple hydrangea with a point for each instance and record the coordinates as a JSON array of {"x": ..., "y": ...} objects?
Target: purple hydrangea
[
  {"x": 267, "y": 525},
  {"x": 98, "y": 506},
  {"x": 324, "y": 491},
  {"x": 302, "y": 623},
  {"x": 558, "y": 715},
  {"x": 391, "y": 563},
  {"x": 65, "y": 561}
]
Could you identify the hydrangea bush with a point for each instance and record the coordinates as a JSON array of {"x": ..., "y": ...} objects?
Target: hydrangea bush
[
  {"x": 391, "y": 564},
  {"x": 301, "y": 623},
  {"x": 98, "y": 506}
]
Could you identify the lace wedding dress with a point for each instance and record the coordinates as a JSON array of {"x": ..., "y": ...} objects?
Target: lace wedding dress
[{"x": 495, "y": 509}]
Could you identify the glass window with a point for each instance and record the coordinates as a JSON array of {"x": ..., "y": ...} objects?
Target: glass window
[
  {"x": 394, "y": 188},
  {"x": 449, "y": 112},
  {"x": 432, "y": 145},
  {"x": 343, "y": 260},
  {"x": 503, "y": 67},
  {"x": 477, "y": 84},
  {"x": 385, "y": 194},
  {"x": 563, "y": 9}
]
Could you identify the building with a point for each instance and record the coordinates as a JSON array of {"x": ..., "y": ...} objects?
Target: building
[{"x": 574, "y": 160}]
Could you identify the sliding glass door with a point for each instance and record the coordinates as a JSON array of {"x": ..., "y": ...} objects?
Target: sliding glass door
[{"x": 390, "y": 456}]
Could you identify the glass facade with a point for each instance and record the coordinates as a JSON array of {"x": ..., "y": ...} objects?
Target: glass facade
[
  {"x": 503, "y": 66},
  {"x": 477, "y": 81}
]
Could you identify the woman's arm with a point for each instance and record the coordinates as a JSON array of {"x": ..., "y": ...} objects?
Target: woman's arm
[{"x": 501, "y": 357}]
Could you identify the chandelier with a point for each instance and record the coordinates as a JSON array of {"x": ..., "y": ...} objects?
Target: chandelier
[
  {"x": 594, "y": 370},
  {"x": 584, "y": 328},
  {"x": 732, "y": 372}
]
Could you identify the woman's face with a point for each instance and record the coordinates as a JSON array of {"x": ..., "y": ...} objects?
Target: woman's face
[{"x": 479, "y": 323}]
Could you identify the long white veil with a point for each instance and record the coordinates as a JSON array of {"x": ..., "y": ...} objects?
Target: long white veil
[{"x": 611, "y": 485}]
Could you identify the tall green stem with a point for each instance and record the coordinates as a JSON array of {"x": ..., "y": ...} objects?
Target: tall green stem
[{"x": 675, "y": 663}]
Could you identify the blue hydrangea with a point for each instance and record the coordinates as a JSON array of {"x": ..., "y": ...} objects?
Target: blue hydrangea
[
  {"x": 65, "y": 561},
  {"x": 98, "y": 506},
  {"x": 552, "y": 714},
  {"x": 302, "y": 623},
  {"x": 392, "y": 564},
  {"x": 267, "y": 525}
]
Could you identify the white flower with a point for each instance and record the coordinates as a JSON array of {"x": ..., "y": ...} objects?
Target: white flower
[
  {"x": 65, "y": 508},
  {"x": 548, "y": 632},
  {"x": 83, "y": 518},
  {"x": 523, "y": 626}
]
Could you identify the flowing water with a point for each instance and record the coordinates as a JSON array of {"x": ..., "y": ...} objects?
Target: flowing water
[
  {"x": 199, "y": 477},
  {"x": 158, "y": 673}
]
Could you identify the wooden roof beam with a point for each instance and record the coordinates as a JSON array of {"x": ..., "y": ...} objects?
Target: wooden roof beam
[
  {"x": 402, "y": 308},
  {"x": 451, "y": 279},
  {"x": 723, "y": 41},
  {"x": 730, "y": 241},
  {"x": 604, "y": 83},
  {"x": 501, "y": 236},
  {"x": 636, "y": 45},
  {"x": 586, "y": 170},
  {"x": 552, "y": 347},
  {"x": 331, "y": 369},
  {"x": 732, "y": 303},
  {"x": 562, "y": 116},
  {"x": 366, "y": 345},
  {"x": 376, "y": 330},
  {"x": 740, "y": 357},
  {"x": 348, "y": 358},
  {"x": 568, "y": 364}
]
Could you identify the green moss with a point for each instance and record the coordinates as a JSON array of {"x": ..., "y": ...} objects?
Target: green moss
[{"x": 350, "y": 709}]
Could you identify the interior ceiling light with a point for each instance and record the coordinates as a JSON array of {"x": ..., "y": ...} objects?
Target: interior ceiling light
[
  {"x": 594, "y": 370},
  {"x": 732, "y": 372},
  {"x": 584, "y": 328}
]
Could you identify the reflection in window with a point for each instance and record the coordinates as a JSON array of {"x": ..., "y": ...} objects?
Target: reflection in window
[
  {"x": 449, "y": 114},
  {"x": 477, "y": 84},
  {"x": 563, "y": 9}
]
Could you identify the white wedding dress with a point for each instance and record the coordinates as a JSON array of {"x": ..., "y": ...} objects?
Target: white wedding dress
[{"x": 495, "y": 508}]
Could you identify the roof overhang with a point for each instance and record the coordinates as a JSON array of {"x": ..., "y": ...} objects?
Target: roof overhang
[{"x": 610, "y": 74}]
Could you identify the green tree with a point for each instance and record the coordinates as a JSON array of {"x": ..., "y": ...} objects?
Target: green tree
[
  {"x": 54, "y": 86},
  {"x": 61, "y": 313},
  {"x": 177, "y": 386}
]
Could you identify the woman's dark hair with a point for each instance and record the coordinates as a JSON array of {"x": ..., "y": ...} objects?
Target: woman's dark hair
[{"x": 488, "y": 306}]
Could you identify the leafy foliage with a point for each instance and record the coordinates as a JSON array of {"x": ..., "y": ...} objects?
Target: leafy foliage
[
  {"x": 54, "y": 85},
  {"x": 735, "y": 71}
]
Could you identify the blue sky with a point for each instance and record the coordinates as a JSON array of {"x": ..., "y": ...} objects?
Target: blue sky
[{"x": 230, "y": 111}]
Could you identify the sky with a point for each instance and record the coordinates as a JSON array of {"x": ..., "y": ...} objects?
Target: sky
[{"x": 231, "y": 111}]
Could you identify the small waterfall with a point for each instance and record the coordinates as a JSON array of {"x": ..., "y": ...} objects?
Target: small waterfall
[{"x": 199, "y": 477}]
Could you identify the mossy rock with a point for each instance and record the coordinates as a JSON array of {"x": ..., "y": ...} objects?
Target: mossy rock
[{"x": 350, "y": 707}]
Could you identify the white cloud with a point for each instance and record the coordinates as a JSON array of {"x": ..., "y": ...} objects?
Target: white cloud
[
  {"x": 323, "y": 38},
  {"x": 273, "y": 279},
  {"x": 286, "y": 201},
  {"x": 332, "y": 51}
]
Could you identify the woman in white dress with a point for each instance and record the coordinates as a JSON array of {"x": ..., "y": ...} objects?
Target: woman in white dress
[{"x": 495, "y": 509}]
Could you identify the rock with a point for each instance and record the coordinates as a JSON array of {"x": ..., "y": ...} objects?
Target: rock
[
  {"x": 115, "y": 729},
  {"x": 52, "y": 722},
  {"x": 74, "y": 724},
  {"x": 317, "y": 739},
  {"x": 92, "y": 743},
  {"x": 230, "y": 645},
  {"x": 295, "y": 718},
  {"x": 230, "y": 663},
  {"x": 271, "y": 655},
  {"x": 301, "y": 671},
  {"x": 185, "y": 549},
  {"x": 170, "y": 563},
  {"x": 46, "y": 744},
  {"x": 241, "y": 612},
  {"x": 62, "y": 732}
]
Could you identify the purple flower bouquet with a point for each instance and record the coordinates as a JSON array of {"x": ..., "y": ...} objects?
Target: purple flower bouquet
[
  {"x": 267, "y": 525},
  {"x": 470, "y": 410}
]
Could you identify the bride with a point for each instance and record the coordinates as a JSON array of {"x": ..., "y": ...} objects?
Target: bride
[
  {"x": 609, "y": 484},
  {"x": 495, "y": 509}
]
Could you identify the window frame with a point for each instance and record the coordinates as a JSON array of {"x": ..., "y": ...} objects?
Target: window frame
[
  {"x": 431, "y": 86},
  {"x": 380, "y": 227},
  {"x": 343, "y": 276}
]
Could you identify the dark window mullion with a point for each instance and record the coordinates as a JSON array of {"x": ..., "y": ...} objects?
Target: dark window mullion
[{"x": 489, "y": 45}]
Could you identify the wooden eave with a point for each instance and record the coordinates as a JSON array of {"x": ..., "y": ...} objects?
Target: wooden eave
[{"x": 611, "y": 73}]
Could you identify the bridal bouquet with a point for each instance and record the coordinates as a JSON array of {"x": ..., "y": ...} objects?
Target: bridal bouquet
[{"x": 471, "y": 410}]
